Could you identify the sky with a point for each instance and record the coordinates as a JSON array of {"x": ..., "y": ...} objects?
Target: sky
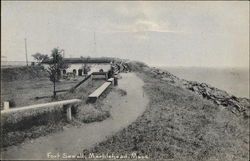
[{"x": 202, "y": 34}]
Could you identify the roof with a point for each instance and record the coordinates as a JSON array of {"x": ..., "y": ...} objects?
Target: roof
[{"x": 83, "y": 60}]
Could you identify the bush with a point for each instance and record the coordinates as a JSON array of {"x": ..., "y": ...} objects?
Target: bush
[
  {"x": 27, "y": 119},
  {"x": 89, "y": 113},
  {"x": 30, "y": 124},
  {"x": 137, "y": 66}
]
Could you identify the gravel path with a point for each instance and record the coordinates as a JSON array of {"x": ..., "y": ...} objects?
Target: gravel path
[{"x": 125, "y": 110}]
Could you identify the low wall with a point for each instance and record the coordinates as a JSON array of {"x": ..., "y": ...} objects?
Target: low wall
[{"x": 15, "y": 115}]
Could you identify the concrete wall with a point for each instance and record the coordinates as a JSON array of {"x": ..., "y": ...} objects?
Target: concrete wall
[{"x": 14, "y": 115}]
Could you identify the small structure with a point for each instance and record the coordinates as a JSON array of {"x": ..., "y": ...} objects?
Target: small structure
[
  {"x": 105, "y": 74},
  {"x": 6, "y": 105},
  {"x": 97, "y": 93},
  {"x": 111, "y": 80}
]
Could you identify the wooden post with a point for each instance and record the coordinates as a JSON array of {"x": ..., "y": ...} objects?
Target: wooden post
[
  {"x": 69, "y": 117},
  {"x": 115, "y": 81},
  {"x": 6, "y": 105},
  {"x": 91, "y": 80},
  {"x": 26, "y": 52}
]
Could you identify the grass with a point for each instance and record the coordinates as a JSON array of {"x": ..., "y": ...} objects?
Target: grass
[
  {"x": 31, "y": 124},
  {"x": 24, "y": 92},
  {"x": 22, "y": 73},
  {"x": 21, "y": 126},
  {"x": 93, "y": 112},
  {"x": 23, "y": 86},
  {"x": 180, "y": 125}
]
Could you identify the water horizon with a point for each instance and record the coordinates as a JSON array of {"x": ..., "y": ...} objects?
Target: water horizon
[{"x": 234, "y": 80}]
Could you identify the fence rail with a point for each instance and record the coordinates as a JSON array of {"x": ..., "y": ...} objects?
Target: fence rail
[{"x": 84, "y": 80}]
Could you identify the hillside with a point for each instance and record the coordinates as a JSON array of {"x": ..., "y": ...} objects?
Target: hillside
[
  {"x": 182, "y": 122},
  {"x": 23, "y": 73}
]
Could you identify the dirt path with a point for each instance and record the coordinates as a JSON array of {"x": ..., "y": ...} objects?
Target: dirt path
[{"x": 125, "y": 109}]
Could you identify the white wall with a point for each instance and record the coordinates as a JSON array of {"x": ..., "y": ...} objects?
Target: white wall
[{"x": 93, "y": 67}]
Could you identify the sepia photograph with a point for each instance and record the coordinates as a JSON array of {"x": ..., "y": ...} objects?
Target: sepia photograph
[{"x": 125, "y": 80}]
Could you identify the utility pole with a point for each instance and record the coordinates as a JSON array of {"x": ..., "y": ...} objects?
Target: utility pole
[
  {"x": 26, "y": 52},
  {"x": 54, "y": 76},
  {"x": 94, "y": 49}
]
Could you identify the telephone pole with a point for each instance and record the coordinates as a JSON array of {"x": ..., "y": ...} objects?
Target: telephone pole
[
  {"x": 94, "y": 49},
  {"x": 26, "y": 52}
]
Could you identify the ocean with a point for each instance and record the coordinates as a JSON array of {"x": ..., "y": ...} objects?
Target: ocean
[{"x": 233, "y": 80}]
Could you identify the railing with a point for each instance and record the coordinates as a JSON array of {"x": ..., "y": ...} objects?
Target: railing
[
  {"x": 73, "y": 88},
  {"x": 81, "y": 82}
]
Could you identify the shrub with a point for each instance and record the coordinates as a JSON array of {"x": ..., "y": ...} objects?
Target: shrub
[{"x": 89, "y": 113}]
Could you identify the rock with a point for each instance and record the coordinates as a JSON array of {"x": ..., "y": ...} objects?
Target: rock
[
  {"x": 207, "y": 89},
  {"x": 219, "y": 97},
  {"x": 203, "y": 85},
  {"x": 195, "y": 88},
  {"x": 234, "y": 98},
  {"x": 167, "y": 79},
  {"x": 217, "y": 102},
  {"x": 219, "y": 94}
]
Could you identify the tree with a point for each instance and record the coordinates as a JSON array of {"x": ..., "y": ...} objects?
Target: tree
[
  {"x": 40, "y": 57},
  {"x": 56, "y": 65}
]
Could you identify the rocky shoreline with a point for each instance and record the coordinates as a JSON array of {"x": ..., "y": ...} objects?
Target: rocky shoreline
[
  {"x": 222, "y": 98},
  {"x": 235, "y": 104},
  {"x": 184, "y": 120}
]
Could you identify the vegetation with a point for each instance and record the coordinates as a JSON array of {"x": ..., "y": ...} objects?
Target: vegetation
[
  {"x": 35, "y": 90},
  {"x": 55, "y": 68},
  {"x": 180, "y": 125},
  {"x": 40, "y": 57},
  {"x": 177, "y": 124},
  {"x": 22, "y": 73},
  {"x": 32, "y": 124}
]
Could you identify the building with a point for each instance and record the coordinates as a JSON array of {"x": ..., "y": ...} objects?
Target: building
[{"x": 81, "y": 66}]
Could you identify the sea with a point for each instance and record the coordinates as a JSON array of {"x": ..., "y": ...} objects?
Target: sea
[{"x": 232, "y": 80}]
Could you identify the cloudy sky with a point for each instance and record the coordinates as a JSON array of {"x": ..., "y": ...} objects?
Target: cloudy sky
[{"x": 158, "y": 33}]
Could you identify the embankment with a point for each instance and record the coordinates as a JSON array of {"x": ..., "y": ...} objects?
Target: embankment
[
  {"x": 20, "y": 127},
  {"x": 239, "y": 106},
  {"x": 125, "y": 105},
  {"x": 181, "y": 124},
  {"x": 23, "y": 73}
]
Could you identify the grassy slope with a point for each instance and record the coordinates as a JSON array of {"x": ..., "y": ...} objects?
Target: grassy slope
[
  {"x": 178, "y": 124},
  {"x": 23, "y": 73},
  {"x": 23, "y": 84},
  {"x": 18, "y": 129}
]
